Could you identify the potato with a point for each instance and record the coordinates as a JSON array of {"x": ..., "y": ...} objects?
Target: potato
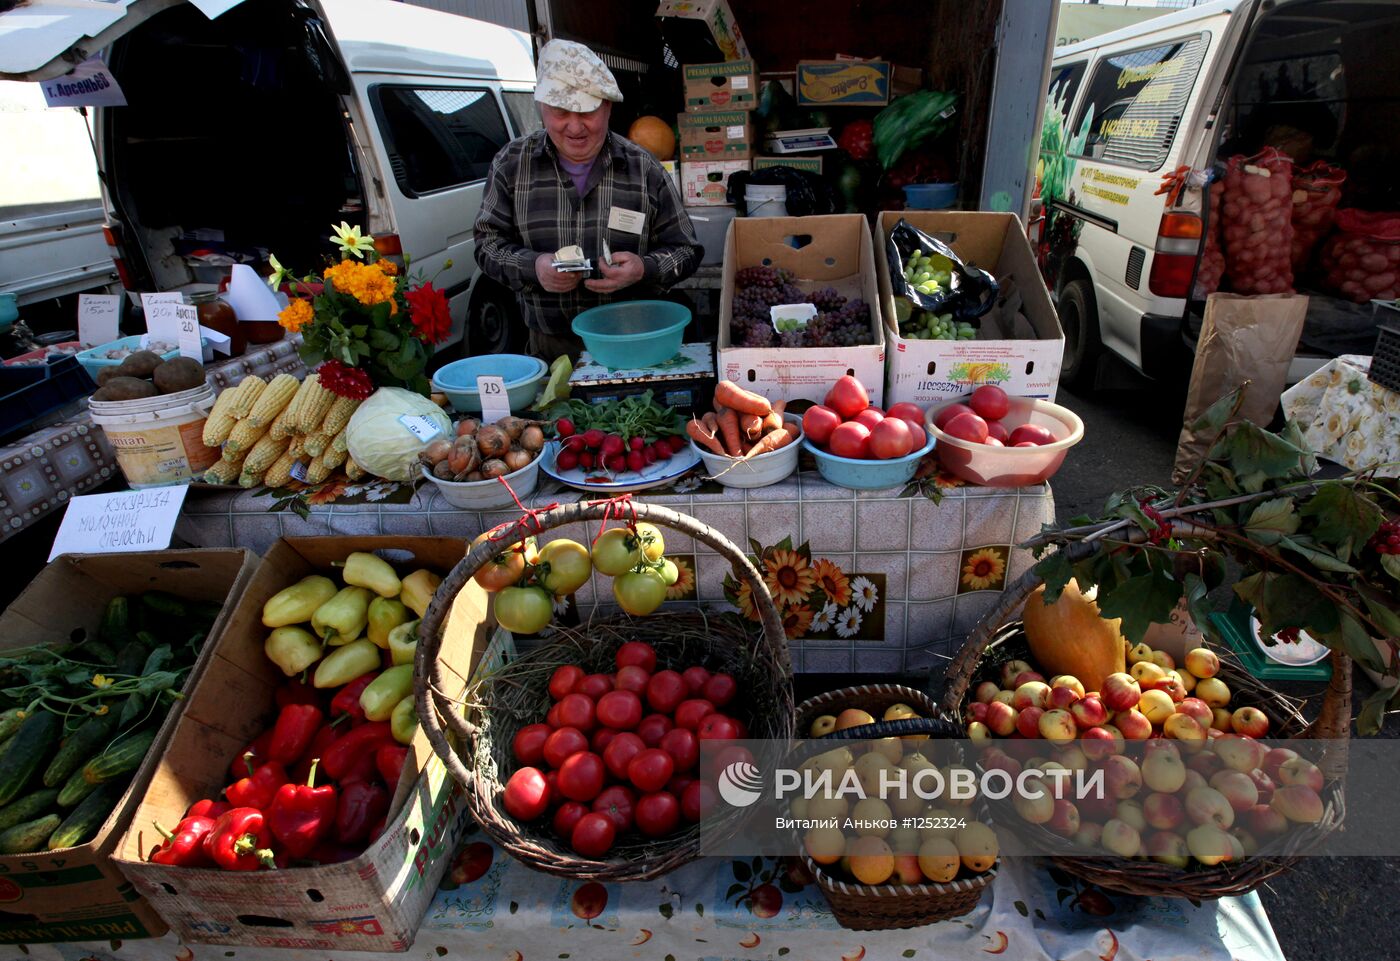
[
  {"x": 141, "y": 363},
  {"x": 107, "y": 373},
  {"x": 182, "y": 373},
  {"x": 126, "y": 388}
]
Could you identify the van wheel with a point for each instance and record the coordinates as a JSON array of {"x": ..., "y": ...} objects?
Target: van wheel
[
  {"x": 494, "y": 325},
  {"x": 1079, "y": 316}
]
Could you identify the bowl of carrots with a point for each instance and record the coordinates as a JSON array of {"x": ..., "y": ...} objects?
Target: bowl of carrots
[{"x": 746, "y": 441}]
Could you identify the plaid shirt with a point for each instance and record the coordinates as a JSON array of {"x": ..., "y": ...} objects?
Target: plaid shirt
[{"x": 531, "y": 207}]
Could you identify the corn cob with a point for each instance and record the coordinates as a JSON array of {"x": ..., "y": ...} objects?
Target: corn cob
[
  {"x": 280, "y": 472},
  {"x": 281, "y": 427},
  {"x": 308, "y": 387},
  {"x": 339, "y": 415},
  {"x": 333, "y": 458},
  {"x": 317, "y": 443},
  {"x": 221, "y": 473},
  {"x": 273, "y": 399},
  {"x": 250, "y": 388},
  {"x": 340, "y": 444},
  {"x": 248, "y": 481},
  {"x": 264, "y": 452},
  {"x": 297, "y": 448},
  {"x": 317, "y": 471},
  {"x": 220, "y": 420},
  {"x": 315, "y": 413},
  {"x": 353, "y": 470},
  {"x": 234, "y": 458},
  {"x": 243, "y": 437}
]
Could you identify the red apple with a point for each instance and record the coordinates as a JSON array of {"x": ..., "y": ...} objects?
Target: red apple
[
  {"x": 1089, "y": 711},
  {"x": 1097, "y": 743},
  {"x": 1028, "y": 721},
  {"x": 1120, "y": 693}
]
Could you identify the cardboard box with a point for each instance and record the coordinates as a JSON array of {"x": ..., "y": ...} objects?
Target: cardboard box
[
  {"x": 716, "y": 136},
  {"x": 707, "y": 184},
  {"x": 835, "y": 252},
  {"x": 373, "y": 903},
  {"x": 78, "y": 894},
  {"x": 926, "y": 372},
  {"x": 713, "y": 18},
  {"x": 811, "y": 165},
  {"x": 732, "y": 85},
  {"x": 843, "y": 83}
]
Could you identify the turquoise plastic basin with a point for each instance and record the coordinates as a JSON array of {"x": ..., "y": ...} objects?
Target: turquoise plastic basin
[
  {"x": 522, "y": 375},
  {"x": 867, "y": 475},
  {"x": 633, "y": 333}
]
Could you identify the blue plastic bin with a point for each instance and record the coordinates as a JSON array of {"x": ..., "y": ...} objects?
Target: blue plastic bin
[
  {"x": 633, "y": 333},
  {"x": 522, "y": 375},
  {"x": 867, "y": 475}
]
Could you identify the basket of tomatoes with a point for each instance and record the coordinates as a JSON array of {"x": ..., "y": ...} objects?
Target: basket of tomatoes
[{"x": 581, "y": 757}]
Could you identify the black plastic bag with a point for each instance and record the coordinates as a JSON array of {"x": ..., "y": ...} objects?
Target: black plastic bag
[
  {"x": 807, "y": 193},
  {"x": 971, "y": 292}
]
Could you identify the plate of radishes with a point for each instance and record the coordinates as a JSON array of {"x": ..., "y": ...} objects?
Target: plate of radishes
[{"x": 996, "y": 440}]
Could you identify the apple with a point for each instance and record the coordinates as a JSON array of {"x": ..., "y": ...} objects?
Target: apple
[
  {"x": 1006, "y": 697},
  {"x": 1139, "y": 654},
  {"x": 1196, "y": 708},
  {"x": 1213, "y": 691},
  {"x": 1097, "y": 744},
  {"x": 1121, "y": 839},
  {"x": 1001, "y": 719},
  {"x": 1058, "y": 726},
  {"x": 1118, "y": 739},
  {"x": 1172, "y": 685},
  {"x": 977, "y": 711},
  {"x": 823, "y": 725},
  {"x": 1188, "y": 680},
  {"x": 985, "y": 692},
  {"x": 1263, "y": 784},
  {"x": 1120, "y": 693},
  {"x": 1010, "y": 670},
  {"x": 1122, "y": 776},
  {"x": 1163, "y": 660},
  {"x": 1028, "y": 722},
  {"x": 1237, "y": 788},
  {"x": 996, "y": 759},
  {"x": 1163, "y": 770},
  {"x": 1299, "y": 770},
  {"x": 1089, "y": 834},
  {"x": 1134, "y": 724},
  {"x": 1062, "y": 698},
  {"x": 1202, "y": 663},
  {"x": 1025, "y": 677},
  {"x": 1206, "y": 805},
  {"x": 1146, "y": 673},
  {"x": 1169, "y": 848},
  {"x": 1089, "y": 711},
  {"x": 1297, "y": 802},
  {"x": 979, "y": 734},
  {"x": 1156, "y": 706},
  {"x": 1194, "y": 779},
  {"x": 1031, "y": 694},
  {"x": 1273, "y": 760},
  {"x": 1239, "y": 753},
  {"x": 1219, "y": 719},
  {"x": 1205, "y": 763},
  {"x": 1249, "y": 846},
  {"x": 906, "y": 868},
  {"x": 1250, "y": 721},
  {"x": 1183, "y": 728},
  {"x": 1036, "y": 804},
  {"x": 1065, "y": 821},
  {"x": 1097, "y": 808},
  {"x": 1069, "y": 681},
  {"x": 1209, "y": 844},
  {"x": 1071, "y": 757},
  {"x": 1264, "y": 821},
  {"x": 1163, "y": 811}
]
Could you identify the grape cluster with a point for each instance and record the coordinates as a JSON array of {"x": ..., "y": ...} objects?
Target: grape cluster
[
  {"x": 839, "y": 322},
  {"x": 1387, "y": 539}
]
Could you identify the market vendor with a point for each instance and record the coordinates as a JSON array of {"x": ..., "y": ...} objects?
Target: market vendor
[{"x": 576, "y": 183}]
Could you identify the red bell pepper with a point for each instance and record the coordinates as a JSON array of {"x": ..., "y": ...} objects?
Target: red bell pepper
[
  {"x": 356, "y": 745},
  {"x": 297, "y": 691},
  {"x": 208, "y": 809},
  {"x": 258, "y": 748},
  {"x": 257, "y": 789},
  {"x": 184, "y": 847},
  {"x": 390, "y": 759},
  {"x": 320, "y": 744},
  {"x": 296, "y": 725},
  {"x": 347, "y": 699},
  {"x": 302, "y": 815},
  {"x": 240, "y": 841},
  {"x": 363, "y": 804}
]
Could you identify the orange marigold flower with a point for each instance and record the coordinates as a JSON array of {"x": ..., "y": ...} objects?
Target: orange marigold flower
[{"x": 296, "y": 315}]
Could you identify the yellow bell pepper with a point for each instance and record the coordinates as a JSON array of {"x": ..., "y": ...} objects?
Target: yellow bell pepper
[
  {"x": 344, "y": 664},
  {"x": 366, "y": 570},
  {"x": 293, "y": 649},
  {"x": 403, "y": 643},
  {"x": 296, "y": 604},
  {"x": 384, "y": 693},
  {"x": 403, "y": 722},
  {"x": 418, "y": 590},
  {"x": 385, "y": 614},
  {"x": 343, "y": 618}
]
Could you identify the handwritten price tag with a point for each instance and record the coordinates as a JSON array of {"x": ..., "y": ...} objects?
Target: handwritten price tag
[
  {"x": 161, "y": 322},
  {"x": 187, "y": 319},
  {"x": 424, "y": 428},
  {"x": 98, "y": 317},
  {"x": 495, "y": 403},
  {"x": 115, "y": 523}
]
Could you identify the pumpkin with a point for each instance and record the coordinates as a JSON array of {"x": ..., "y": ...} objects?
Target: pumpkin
[
  {"x": 653, "y": 135},
  {"x": 1071, "y": 637}
]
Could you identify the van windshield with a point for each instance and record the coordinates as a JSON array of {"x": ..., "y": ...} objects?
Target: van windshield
[{"x": 55, "y": 172}]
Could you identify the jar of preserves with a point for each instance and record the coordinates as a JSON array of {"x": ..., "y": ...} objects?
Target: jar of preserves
[{"x": 217, "y": 315}]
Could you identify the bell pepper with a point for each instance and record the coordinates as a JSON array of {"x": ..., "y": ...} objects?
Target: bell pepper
[
  {"x": 321, "y": 743},
  {"x": 347, "y": 700},
  {"x": 362, "y": 805},
  {"x": 240, "y": 841},
  {"x": 207, "y": 809},
  {"x": 386, "y": 691},
  {"x": 353, "y": 745},
  {"x": 296, "y": 604},
  {"x": 293, "y": 649},
  {"x": 342, "y": 618},
  {"x": 362, "y": 569},
  {"x": 385, "y": 614},
  {"x": 404, "y": 721},
  {"x": 403, "y": 643},
  {"x": 346, "y": 663},
  {"x": 183, "y": 847},
  {"x": 255, "y": 753},
  {"x": 298, "y": 692},
  {"x": 296, "y": 725},
  {"x": 258, "y": 788},
  {"x": 418, "y": 590},
  {"x": 302, "y": 815},
  {"x": 389, "y": 760}
]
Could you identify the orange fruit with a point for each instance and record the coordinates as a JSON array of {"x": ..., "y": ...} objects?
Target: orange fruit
[{"x": 872, "y": 861}]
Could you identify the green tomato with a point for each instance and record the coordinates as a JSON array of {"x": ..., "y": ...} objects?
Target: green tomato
[
  {"x": 639, "y": 592},
  {"x": 524, "y": 610},
  {"x": 569, "y": 566},
  {"x": 616, "y": 552},
  {"x": 649, "y": 539},
  {"x": 670, "y": 573}
]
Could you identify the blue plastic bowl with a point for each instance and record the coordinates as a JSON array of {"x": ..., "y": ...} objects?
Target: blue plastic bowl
[
  {"x": 867, "y": 475},
  {"x": 94, "y": 363},
  {"x": 930, "y": 196},
  {"x": 522, "y": 375},
  {"x": 633, "y": 333}
]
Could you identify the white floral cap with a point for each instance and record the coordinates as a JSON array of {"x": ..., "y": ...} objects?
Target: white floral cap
[{"x": 572, "y": 77}]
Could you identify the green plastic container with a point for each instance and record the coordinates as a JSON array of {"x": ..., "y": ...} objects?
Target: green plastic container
[{"x": 633, "y": 333}]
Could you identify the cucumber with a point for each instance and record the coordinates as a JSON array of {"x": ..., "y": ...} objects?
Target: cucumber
[
  {"x": 77, "y": 748},
  {"x": 95, "y": 652},
  {"x": 83, "y": 821},
  {"x": 27, "y": 808},
  {"x": 10, "y": 722},
  {"x": 146, "y": 639},
  {"x": 74, "y": 790},
  {"x": 166, "y": 605},
  {"x": 29, "y": 837},
  {"x": 119, "y": 759},
  {"x": 130, "y": 659},
  {"x": 115, "y": 629},
  {"x": 24, "y": 752}
]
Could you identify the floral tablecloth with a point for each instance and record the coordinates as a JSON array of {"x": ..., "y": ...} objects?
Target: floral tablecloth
[{"x": 1347, "y": 418}]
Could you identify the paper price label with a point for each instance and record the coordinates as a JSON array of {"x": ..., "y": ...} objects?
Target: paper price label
[
  {"x": 116, "y": 523},
  {"x": 187, "y": 327},
  {"x": 161, "y": 321},
  {"x": 298, "y": 471},
  {"x": 98, "y": 317},
  {"x": 736, "y": 133},
  {"x": 739, "y": 83},
  {"x": 495, "y": 403},
  {"x": 424, "y": 428}
]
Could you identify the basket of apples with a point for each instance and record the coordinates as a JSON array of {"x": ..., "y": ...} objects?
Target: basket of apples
[
  {"x": 997, "y": 440},
  {"x": 1201, "y": 793},
  {"x": 860, "y": 446}
]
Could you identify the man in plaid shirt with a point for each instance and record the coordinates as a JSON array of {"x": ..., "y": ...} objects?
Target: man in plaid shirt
[{"x": 575, "y": 183}]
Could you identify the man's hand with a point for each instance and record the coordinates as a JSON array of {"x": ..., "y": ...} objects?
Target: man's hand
[
  {"x": 551, "y": 279},
  {"x": 627, "y": 269}
]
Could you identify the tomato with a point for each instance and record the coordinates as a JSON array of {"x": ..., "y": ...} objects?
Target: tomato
[
  {"x": 577, "y": 710},
  {"x": 569, "y": 566},
  {"x": 989, "y": 402},
  {"x": 997, "y": 429},
  {"x": 563, "y": 744},
  {"x": 968, "y": 427},
  {"x": 683, "y": 746},
  {"x": 679, "y": 783},
  {"x": 906, "y": 411},
  {"x": 870, "y": 417},
  {"x": 528, "y": 743},
  {"x": 593, "y": 836},
  {"x": 717, "y": 727},
  {"x": 993, "y": 442},
  {"x": 639, "y": 592},
  {"x": 567, "y": 816},
  {"x": 581, "y": 776},
  {"x": 650, "y": 770},
  {"x": 632, "y": 677},
  {"x": 695, "y": 677},
  {"x": 524, "y": 610},
  {"x": 653, "y": 728},
  {"x": 891, "y": 438},
  {"x": 504, "y": 569},
  {"x": 620, "y": 752},
  {"x": 697, "y": 800},
  {"x": 1033, "y": 433},
  {"x": 848, "y": 397},
  {"x": 917, "y": 435},
  {"x": 1026, "y": 443},
  {"x": 551, "y": 780},
  {"x": 720, "y": 689},
  {"x": 595, "y": 685},
  {"x": 665, "y": 691},
  {"x": 636, "y": 653},
  {"x": 690, "y": 713},
  {"x": 669, "y": 572},
  {"x": 658, "y": 814},
  {"x": 551, "y": 718},
  {"x": 851, "y": 439},
  {"x": 727, "y": 755},
  {"x": 949, "y": 412},
  {"x": 526, "y": 794},
  {"x": 616, "y": 552},
  {"x": 602, "y": 738},
  {"x": 649, "y": 538},
  {"x": 564, "y": 679},
  {"x": 620, "y": 709},
  {"x": 818, "y": 423},
  {"x": 616, "y": 803}
]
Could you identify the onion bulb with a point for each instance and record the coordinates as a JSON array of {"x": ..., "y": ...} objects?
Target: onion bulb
[
  {"x": 467, "y": 426},
  {"x": 492, "y": 441},
  {"x": 494, "y": 468},
  {"x": 532, "y": 438},
  {"x": 516, "y": 459},
  {"x": 435, "y": 453},
  {"x": 512, "y": 426}
]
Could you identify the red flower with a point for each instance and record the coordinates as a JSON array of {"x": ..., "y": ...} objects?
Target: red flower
[
  {"x": 428, "y": 310},
  {"x": 345, "y": 381}
]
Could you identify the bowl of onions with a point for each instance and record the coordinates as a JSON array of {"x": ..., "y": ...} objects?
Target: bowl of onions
[{"x": 468, "y": 469}]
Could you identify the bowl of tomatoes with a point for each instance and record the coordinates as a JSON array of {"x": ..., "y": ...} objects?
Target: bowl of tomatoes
[
  {"x": 862, "y": 447},
  {"x": 996, "y": 440}
]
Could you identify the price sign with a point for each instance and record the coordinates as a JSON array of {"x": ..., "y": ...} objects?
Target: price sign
[
  {"x": 424, "y": 428},
  {"x": 495, "y": 403},
  {"x": 115, "y": 523},
  {"x": 161, "y": 322},
  {"x": 298, "y": 471},
  {"x": 187, "y": 320},
  {"x": 98, "y": 317}
]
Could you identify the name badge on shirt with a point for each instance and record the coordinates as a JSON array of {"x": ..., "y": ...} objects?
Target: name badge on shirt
[{"x": 628, "y": 221}]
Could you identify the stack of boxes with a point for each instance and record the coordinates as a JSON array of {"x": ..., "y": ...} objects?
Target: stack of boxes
[{"x": 717, "y": 131}]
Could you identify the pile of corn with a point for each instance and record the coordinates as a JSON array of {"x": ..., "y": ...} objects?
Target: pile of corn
[{"x": 267, "y": 428}]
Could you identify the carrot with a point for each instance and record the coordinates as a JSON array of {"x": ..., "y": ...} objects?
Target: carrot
[
  {"x": 729, "y": 430},
  {"x": 773, "y": 440},
  {"x": 703, "y": 436},
  {"x": 773, "y": 421},
  {"x": 751, "y": 425},
  {"x": 779, "y": 406},
  {"x": 731, "y": 395}
]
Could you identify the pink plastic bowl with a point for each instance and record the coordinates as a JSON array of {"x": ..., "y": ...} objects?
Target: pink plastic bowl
[{"x": 1010, "y": 466}]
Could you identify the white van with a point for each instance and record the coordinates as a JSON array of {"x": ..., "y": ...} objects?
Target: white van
[
  {"x": 262, "y": 127},
  {"x": 1126, "y": 110}
]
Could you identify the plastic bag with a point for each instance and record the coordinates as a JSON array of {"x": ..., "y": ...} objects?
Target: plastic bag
[
  {"x": 1258, "y": 223},
  {"x": 969, "y": 291},
  {"x": 911, "y": 120},
  {"x": 1317, "y": 190},
  {"x": 807, "y": 193},
  {"x": 1362, "y": 259}
]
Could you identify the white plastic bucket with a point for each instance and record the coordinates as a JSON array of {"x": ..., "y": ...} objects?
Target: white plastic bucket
[
  {"x": 159, "y": 440},
  {"x": 765, "y": 200}
]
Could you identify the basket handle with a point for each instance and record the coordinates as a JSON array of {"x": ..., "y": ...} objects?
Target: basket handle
[{"x": 934, "y": 726}]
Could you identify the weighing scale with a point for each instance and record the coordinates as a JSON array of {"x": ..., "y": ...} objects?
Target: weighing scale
[
  {"x": 685, "y": 382},
  {"x": 1234, "y": 627}
]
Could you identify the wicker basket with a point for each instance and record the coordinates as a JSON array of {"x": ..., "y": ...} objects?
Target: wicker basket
[
  {"x": 1000, "y": 638},
  {"x": 865, "y": 907},
  {"x": 517, "y": 694}
]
